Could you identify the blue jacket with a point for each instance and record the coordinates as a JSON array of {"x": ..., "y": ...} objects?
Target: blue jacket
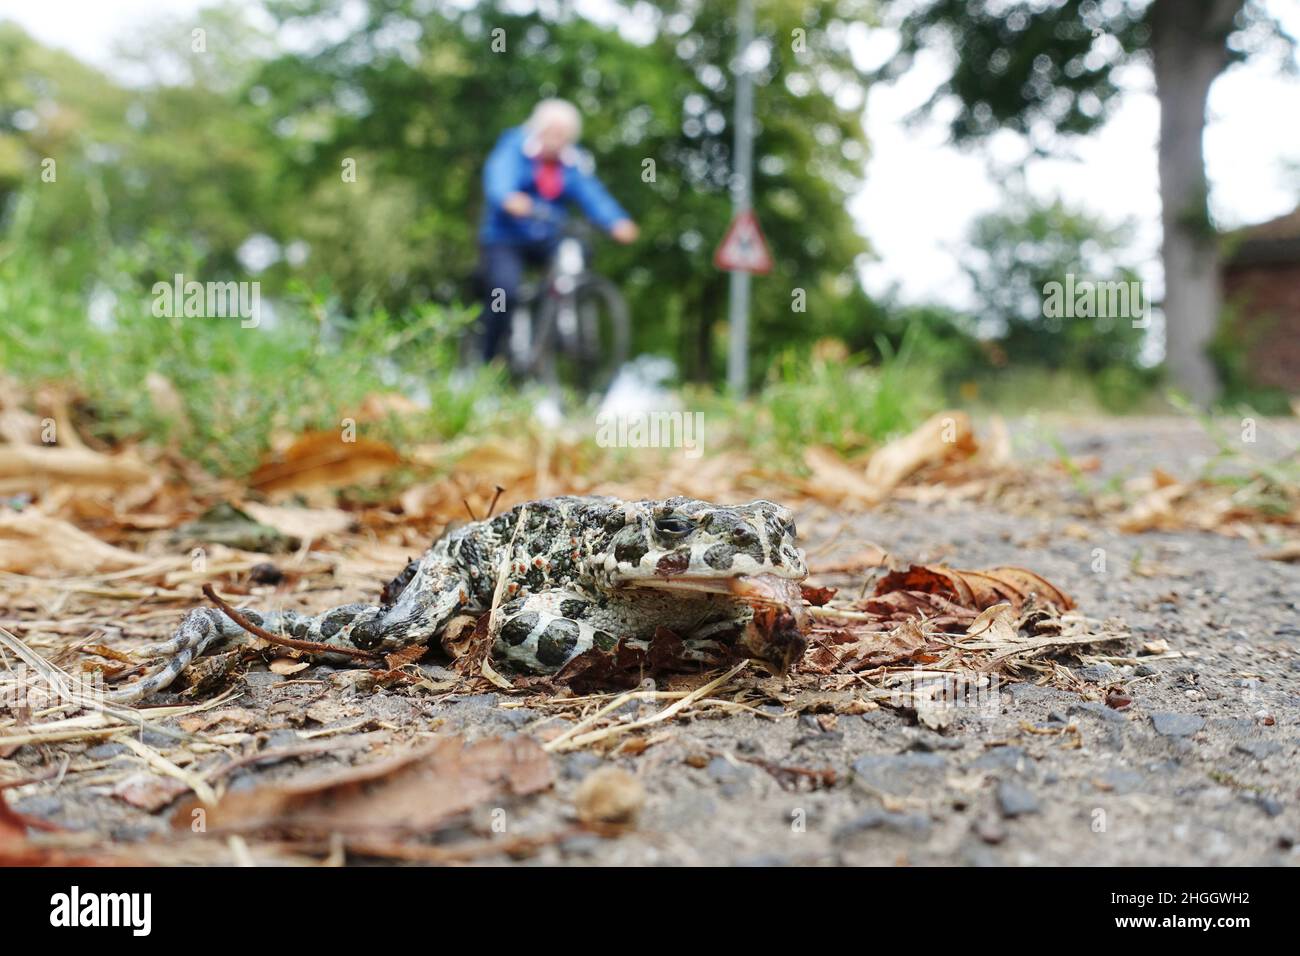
[{"x": 510, "y": 169}]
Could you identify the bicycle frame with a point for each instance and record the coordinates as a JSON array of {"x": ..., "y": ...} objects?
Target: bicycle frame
[
  {"x": 568, "y": 265},
  {"x": 555, "y": 317}
]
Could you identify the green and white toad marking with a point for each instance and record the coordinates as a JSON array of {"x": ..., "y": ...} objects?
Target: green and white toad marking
[{"x": 575, "y": 572}]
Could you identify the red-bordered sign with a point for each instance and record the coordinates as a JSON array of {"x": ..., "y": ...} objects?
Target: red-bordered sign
[{"x": 743, "y": 248}]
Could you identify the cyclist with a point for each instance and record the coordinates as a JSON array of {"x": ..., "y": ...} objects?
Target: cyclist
[{"x": 533, "y": 172}]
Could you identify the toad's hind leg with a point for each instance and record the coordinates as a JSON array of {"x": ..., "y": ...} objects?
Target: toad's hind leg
[
  {"x": 543, "y": 632},
  {"x": 205, "y": 626},
  {"x": 419, "y": 613},
  {"x": 431, "y": 597}
]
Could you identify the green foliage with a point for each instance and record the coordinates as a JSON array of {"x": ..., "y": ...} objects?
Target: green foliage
[
  {"x": 420, "y": 116},
  {"x": 238, "y": 387},
  {"x": 249, "y": 139},
  {"x": 1229, "y": 350},
  {"x": 1047, "y": 69},
  {"x": 1024, "y": 65},
  {"x": 175, "y": 175},
  {"x": 1016, "y": 256},
  {"x": 305, "y": 368},
  {"x": 830, "y": 399},
  {"x": 172, "y": 162},
  {"x": 1050, "y": 71}
]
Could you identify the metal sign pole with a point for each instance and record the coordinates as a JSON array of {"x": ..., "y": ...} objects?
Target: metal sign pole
[{"x": 741, "y": 197}]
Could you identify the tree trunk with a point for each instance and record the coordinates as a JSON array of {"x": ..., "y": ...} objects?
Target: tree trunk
[{"x": 1189, "y": 50}]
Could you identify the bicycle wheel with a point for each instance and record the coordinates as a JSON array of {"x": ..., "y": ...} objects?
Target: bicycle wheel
[
  {"x": 540, "y": 361},
  {"x": 582, "y": 338},
  {"x": 606, "y": 328}
]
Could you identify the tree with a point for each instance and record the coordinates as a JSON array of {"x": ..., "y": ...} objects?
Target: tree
[
  {"x": 359, "y": 149},
  {"x": 162, "y": 167},
  {"x": 1017, "y": 253},
  {"x": 1037, "y": 66}
]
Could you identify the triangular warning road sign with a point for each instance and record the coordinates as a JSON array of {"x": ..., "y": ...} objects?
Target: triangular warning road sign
[{"x": 743, "y": 248}]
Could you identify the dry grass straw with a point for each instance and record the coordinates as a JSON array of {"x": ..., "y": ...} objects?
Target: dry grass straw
[{"x": 574, "y": 738}]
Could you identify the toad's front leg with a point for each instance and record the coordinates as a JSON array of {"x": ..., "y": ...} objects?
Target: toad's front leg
[{"x": 542, "y": 632}]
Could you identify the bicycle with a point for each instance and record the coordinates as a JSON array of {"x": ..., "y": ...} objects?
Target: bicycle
[{"x": 571, "y": 328}]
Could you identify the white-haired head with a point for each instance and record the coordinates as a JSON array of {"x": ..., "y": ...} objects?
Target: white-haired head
[{"x": 554, "y": 125}]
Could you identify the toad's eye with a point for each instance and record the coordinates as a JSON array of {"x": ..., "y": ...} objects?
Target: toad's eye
[{"x": 673, "y": 526}]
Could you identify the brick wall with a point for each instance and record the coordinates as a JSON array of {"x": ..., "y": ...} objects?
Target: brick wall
[{"x": 1266, "y": 302}]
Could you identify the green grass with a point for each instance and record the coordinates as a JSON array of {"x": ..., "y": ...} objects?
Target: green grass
[
  {"x": 1268, "y": 486},
  {"x": 237, "y": 386},
  {"x": 1017, "y": 391},
  {"x": 838, "y": 401}
]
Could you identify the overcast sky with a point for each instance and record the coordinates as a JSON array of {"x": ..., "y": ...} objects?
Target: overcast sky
[{"x": 921, "y": 194}]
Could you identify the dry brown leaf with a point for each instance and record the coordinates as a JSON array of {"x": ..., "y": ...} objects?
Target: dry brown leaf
[
  {"x": 499, "y": 461},
  {"x": 20, "y": 427},
  {"x": 380, "y": 405},
  {"x": 945, "y": 436},
  {"x": 323, "y": 460},
  {"x": 1162, "y": 478},
  {"x": 420, "y": 501},
  {"x": 906, "y": 620},
  {"x": 995, "y": 448},
  {"x": 414, "y": 792},
  {"x": 407, "y": 655},
  {"x": 149, "y": 791},
  {"x": 108, "y": 652},
  {"x": 466, "y": 641},
  {"x": 834, "y": 479},
  {"x": 32, "y": 543},
  {"x": 230, "y": 718},
  {"x": 898, "y": 607},
  {"x": 1290, "y": 551},
  {"x": 852, "y": 645},
  {"x": 1155, "y": 510},
  {"x": 976, "y": 589},
  {"x": 998, "y": 623},
  {"x": 36, "y": 468},
  {"x": 306, "y": 524},
  {"x": 815, "y": 596}
]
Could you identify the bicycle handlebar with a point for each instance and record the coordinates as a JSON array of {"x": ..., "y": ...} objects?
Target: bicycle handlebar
[{"x": 543, "y": 212}]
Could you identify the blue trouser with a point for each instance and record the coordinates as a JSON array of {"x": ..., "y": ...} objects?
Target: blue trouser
[{"x": 501, "y": 266}]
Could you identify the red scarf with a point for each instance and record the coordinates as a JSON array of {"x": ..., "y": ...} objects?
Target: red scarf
[{"x": 548, "y": 175}]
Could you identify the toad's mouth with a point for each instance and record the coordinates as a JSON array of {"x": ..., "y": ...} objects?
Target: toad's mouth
[
  {"x": 775, "y": 633},
  {"x": 751, "y": 588}
]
